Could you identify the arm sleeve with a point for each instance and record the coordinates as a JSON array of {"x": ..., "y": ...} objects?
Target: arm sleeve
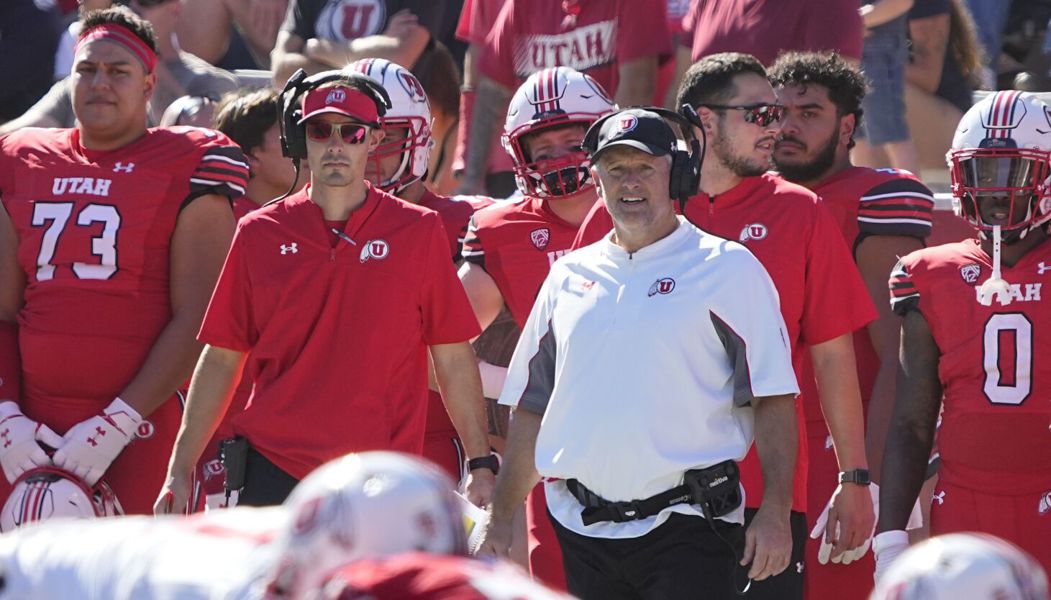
[
  {"x": 900, "y": 206},
  {"x": 301, "y": 17},
  {"x": 747, "y": 318},
  {"x": 836, "y": 299},
  {"x": 447, "y": 314},
  {"x": 904, "y": 295},
  {"x": 497, "y": 57},
  {"x": 222, "y": 169},
  {"x": 229, "y": 321},
  {"x": 642, "y": 30},
  {"x": 531, "y": 374}
]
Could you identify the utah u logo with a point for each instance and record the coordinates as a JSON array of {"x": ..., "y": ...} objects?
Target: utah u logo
[
  {"x": 377, "y": 249},
  {"x": 350, "y": 19},
  {"x": 663, "y": 286},
  {"x": 753, "y": 231},
  {"x": 336, "y": 96},
  {"x": 628, "y": 123},
  {"x": 412, "y": 87}
]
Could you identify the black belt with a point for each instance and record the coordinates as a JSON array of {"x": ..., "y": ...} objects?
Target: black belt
[{"x": 597, "y": 509}]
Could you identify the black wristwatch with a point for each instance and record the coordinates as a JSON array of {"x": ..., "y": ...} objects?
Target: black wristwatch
[
  {"x": 856, "y": 476},
  {"x": 491, "y": 462}
]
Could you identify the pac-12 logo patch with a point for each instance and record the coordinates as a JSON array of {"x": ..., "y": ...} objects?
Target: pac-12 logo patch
[
  {"x": 377, "y": 249},
  {"x": 970, "y": 273},
  {"x": 753, "y": 231},
  {"x": 664, "y": 285},
  {"x": 540, "y": 237}
]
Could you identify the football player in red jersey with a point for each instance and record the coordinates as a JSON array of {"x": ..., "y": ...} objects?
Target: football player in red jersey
[
  {"x": 111, "y": 239},
  {"x": 973, "y": 338},
  {"x": 510, "y": 246},
  {"x": 397, "y": 166},
  {"x": 822, "y": 296},
  {"x": 884, "y": 214}
]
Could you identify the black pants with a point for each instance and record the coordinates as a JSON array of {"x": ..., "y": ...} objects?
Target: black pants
[
  {"x": 681, "y": 559},
  {"x": 788, "y": 585},
  {"x": 265, "y": 483}
]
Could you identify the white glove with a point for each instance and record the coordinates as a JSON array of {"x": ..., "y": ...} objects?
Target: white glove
[
  {"x": 90, "y": 446},
  {"x": 887, "y": 547},
  {"x": 19, "y": 450},
  {"x": 849, "y": 556}
]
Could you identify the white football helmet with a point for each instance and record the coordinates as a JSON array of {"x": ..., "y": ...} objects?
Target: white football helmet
[
  {"x": 550, "y": 98},
  {"x": 410, "y": 110},
  {"x": 48, "y": 492},
  {"x": 1002, "y": 151},
  {"x": 955, "y": 566},
  {"x": 367, "y": 504}
]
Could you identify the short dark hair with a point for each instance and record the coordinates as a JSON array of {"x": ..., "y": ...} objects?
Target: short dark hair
[
  {"x": 845, "y": 83},
  {"x": 120, "y": 15},
  {"x": 246, "y": 115},
  {"x": 710, "y": 80}
]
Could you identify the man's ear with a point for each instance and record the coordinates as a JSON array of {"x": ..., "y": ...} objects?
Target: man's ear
[
  {"x": 847, "y": 127},
  {"x": 253, "y": 164},
  {"x": 149, "y": 86}
]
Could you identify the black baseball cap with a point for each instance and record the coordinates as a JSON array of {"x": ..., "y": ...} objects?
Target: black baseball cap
[{"x": 636, "y": 128}]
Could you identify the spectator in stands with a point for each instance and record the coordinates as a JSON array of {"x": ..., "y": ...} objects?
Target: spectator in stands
[
  {"x": 944, "y": 70},
  {"x": 28, "y": 38},
  {"x": 990, "y": 19},
  {"x": 195, "y": 111},
  {"x": 231, "y": 34},
  {"x": 68, "y": 39},
  {"x": 883, "y": 59},
  {"x": 618, "y": 43},
  {"x": 318, "y": 35},
  {"x": 178, "y": 74}
]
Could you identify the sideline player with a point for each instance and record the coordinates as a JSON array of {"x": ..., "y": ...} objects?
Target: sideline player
[
  {"x": 111, "y": 239},
  {"x": 318, "y": 287},
  {"x": 822, "y": 296},
  {"x": 510, "y": 247},
  {"x": 884, "y": 214},
  {"x": 397, "y": 166},
  {"x": 974, "y": 344}
]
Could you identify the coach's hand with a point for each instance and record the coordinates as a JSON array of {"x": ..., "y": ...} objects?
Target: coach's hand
[
  {"x": 174, "y": 497},
  {"x": 478, "y": 487},
  {"x": 19, "y": 450},
  {"x": 767, "y": 543},
  {"x": 846, "y": 525},
  {"x": 497, "y": 539},
  {"x": 89, "y": 447}
]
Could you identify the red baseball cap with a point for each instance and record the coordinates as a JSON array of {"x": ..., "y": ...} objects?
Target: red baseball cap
[{"x": 340, "y": 100}]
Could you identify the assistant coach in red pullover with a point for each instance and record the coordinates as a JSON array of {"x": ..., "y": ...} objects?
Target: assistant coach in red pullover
[{"x": 338, "y": 292}]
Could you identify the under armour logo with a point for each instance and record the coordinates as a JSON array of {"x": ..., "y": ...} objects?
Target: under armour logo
[
  {"x": 289, "y": 249},
  {"x": 100, "y": 431},
  {"x": 1041, "y": 267},
  {"x": 92, "y": 441},
  {"x": 940, "y": 497},
  {"x": 799, "y": 567},
  {"x": 123, "y": 168}
]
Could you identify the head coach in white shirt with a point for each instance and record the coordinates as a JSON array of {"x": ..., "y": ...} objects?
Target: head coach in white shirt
[{"x": 649, "y": 360}]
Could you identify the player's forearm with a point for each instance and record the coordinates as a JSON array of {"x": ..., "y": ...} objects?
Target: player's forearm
[
  {"x": 490, "y": 102},
  {"x": 836, "y": 373},
  {"x": 404, "y": 52},
  {"x": 214, "y": 382},
  {"x": 284, "y": 64},
  {"x": 776, "y": 442},
  {"x": 883, "y": 11},
  {"x": 637, "y": 80},
  {"x": 168, "y": 365},
  {"x": 456, "y": 370},
  {"x": 518, "y": 474}
]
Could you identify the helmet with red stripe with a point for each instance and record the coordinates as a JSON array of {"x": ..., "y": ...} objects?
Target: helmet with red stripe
[
  {"x": 1000, "y": 162},
  {"x": 407, "y": 124},
  {"x": 47, "y": 492},
  {"x": 553, "y": 98}
]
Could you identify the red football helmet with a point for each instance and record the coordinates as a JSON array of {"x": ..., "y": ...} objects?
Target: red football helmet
[
  {"x": 1002, "y": 153},
  {"x": 48, "y": 492},
  {"x": 553, "y": 98}
]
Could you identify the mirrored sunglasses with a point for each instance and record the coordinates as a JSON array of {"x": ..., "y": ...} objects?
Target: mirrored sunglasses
[
  {"x": 760, "y": 114},
  {"x": 351, "y": 133}
]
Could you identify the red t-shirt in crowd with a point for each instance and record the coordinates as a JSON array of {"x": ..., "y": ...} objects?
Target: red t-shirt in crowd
[
  {"x": 795, "y": 238},
  {"x": 995, "y": 413},
  {"x": 516, "y": 243},
  {"x": 765, "y": 28},
  {"x": 338, "y": 335},
  {"x": 531, "y": 35}
]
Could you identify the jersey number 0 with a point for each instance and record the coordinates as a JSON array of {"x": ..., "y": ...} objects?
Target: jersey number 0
[{"x": 1008, "y": 378}]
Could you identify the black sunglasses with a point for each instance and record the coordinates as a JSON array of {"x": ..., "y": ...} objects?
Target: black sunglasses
[{"x": 760, "y": 114}]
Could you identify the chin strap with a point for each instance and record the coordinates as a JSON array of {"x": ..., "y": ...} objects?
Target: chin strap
[{"x": 995, "y": 285}]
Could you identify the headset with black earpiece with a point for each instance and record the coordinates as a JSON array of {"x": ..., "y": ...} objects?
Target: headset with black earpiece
[
  {"x": 293, "y": 135},
  {"x": 685, "y": 176}
]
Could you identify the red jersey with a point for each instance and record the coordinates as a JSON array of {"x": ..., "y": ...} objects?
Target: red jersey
[
  {"x": 995, "y": 412},
  {"x": 455, "y": 212},
  {"x": 338, "y": 336},
  {"x": 765, "y": 28},
  {"x": 242, "y": 206},
  {"x": 868, "y": 202},
  {"x": 434, "y": 577},
  {"x": 794, "y": 236},
  {"x": 516, "y": 243},
  {"x": 532, "y": 35},
  {"x": 94, "y": 232}
]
